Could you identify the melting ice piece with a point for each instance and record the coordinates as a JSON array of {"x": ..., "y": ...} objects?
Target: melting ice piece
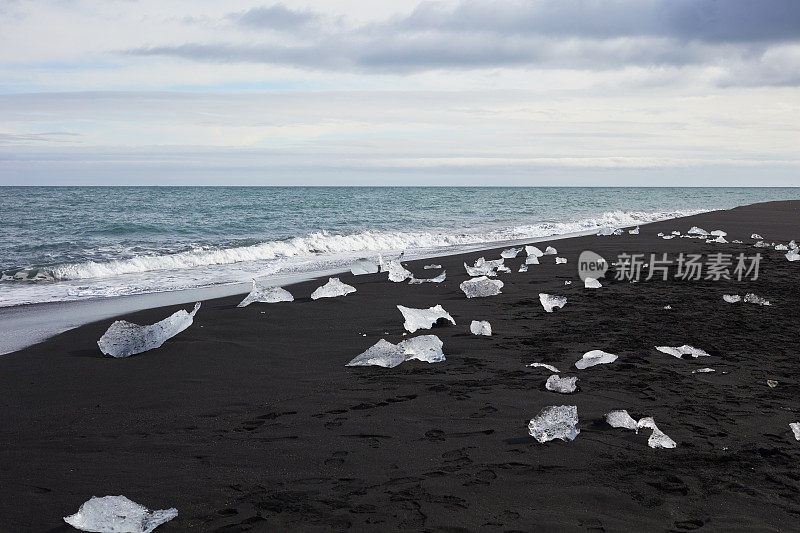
[
  {"x": 751, "y": 298},
  {"x": 550, "y": 251},
  {"x": 595, "y": 357},
  {"x": 793, "y": 255},
  {"x": 555, "y": 422},
  {"x": 118, "y": 514},
  {"x": 795, "y": 427},
  {"x": 680, "y": 351},
  {"x": 781, "y": 247},
  {"x": 550, "y": 301},
  {"x": 362, "y": 267},
  {"x": 397, "y": 272},
  {"x": 481, "y": 327},
  {"x": 719, "y": 239},
  {"x": 523, "y": 267},
  {"x": 384, "y": 266},
  {"x": 382, "y": 353},
  {"x": 567, "y": 282},
  {"x": 621, "y": 419},
  {"x": 634, "y": 231},
  {"x": 667, "y": 307},
  {"x": 480, "y": 287},
  {"x": 771, "y": 383},
  {"x": 510, "y": 253},
  {"x": 618, "y": 232},
  {"x": 756, "y": 236},
  {"x": 532, "y": 260},
  {"x": 503, "y": 268},
  {"x": 657, "y": 439},
  {"x": 423, "y": 318},
  {"x": 605, "y": 231},
  {"x": 124, "y": 338},
  {"x": 761, "y": 244},
  {"x": 591, "y": 283},
  {"x": 561, "y": 260},
  {"x": 719, "y": 233},
  {"x": 697, "y": 231},
  {"x": 736, "y": 241},
  {"x": 427, "y": 348},
  {"x": 703, "y": 371},
  {"x": 266, "y": 294},
  {"x": 483, "y": 267},
  {"x": 551, "y": 368},
  {"x": 438, "y": 279},
  {"x": 332, "y": 289},
  {"x": 668, "y": 237},
  {"x": 563, "y": 385},
  {"x": 731, "y": 298},
  {"x": 534, "y": 251},
  {"x": 432, "y": 267}
]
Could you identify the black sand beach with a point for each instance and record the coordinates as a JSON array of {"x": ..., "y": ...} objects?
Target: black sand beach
[{"x": 249, "y": 420}]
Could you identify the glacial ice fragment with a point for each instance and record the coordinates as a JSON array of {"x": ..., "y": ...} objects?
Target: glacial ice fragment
[
  {"x": 719, "y": 239},
  {"x": 480, "y": 287},
  {"x": 362, "y": 267},
  {"x": 731, "y": 298},
  {"x": 594, "y": 357},
  {"x": 668, "y": 237},
  {"x": 591, "y": 283},
  {"x": 124, "y": 338},
  {"x": 438, "y": 279},
  {"x": 503, "y": 268},
  {"x": 697, "y": 231},
  {"x": 431, "y": 267},
  {"x": 550, "y": 251},
  {"x": 756, "y": 236},
  {"x": 332, "y": 289},
  {"x": 567, "y": 282},
  {"x": 771, "y": 383},
  {"x": 523, "y": 267},
  {"x": 761, "y": 244},
  {"x": 118, "y": 514},
  {"x": 555, "y": 422},
  {"x": 426, "y": 348},
  {"x": 480, "y": 327},
  {"x": 533, "y": 250},
  {"x": 550, "y": 301},
  {"x": 510, "y": 253},
  {"x": 483, "y": 267},
  {"x": 751, "y": 298},
  {"x": 266, "y": 294},
  {"x": 621, "y": 419},
  {"x": 561, "y": 260},
  {"x": 556, "y": 383},
  {"x": 795, "y": 427},
  {"x": 397, "y": 272},
  {"x": 793, "y": 255},
  {"x": 382, "y": 353},
  {"x": 719, "y": 233},
  {"x": 551, "y": 368},
  {"x": 532, "y": 260},
  {"x": 680, "y": 351},
  {"x": 423, "y": 318},
  {"x": 703, "y": 370},
  {"x": 781, "y": 247},
  {"x": 634, "y": 231},
  {"x": 618, "y": 231},
  {"x": 658, "y": 439}
]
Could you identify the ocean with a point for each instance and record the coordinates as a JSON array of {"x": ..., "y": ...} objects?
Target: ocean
[{"x": 76, "y": 243}]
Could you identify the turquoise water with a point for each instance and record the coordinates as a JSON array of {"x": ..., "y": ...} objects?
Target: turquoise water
[{"x": 65, "y": 243}]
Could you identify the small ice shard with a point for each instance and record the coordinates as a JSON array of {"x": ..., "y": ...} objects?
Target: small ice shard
[
  {"x": 550, "y": 251},
  {"x": 483, "y": 267},
  {"x": 480, "y": 327},
  {"x": 567, "y": 282},
  {"x": 480, "y": 287},
  {"x": 697, "y": 231},
  {"x": 426, "y": 348},
  {"x": 618, "y": 232},
  {"x": 382, "y": 353},
  {"x": 676, "y": 232},
  {"x": 756, "y": 236},
  {"x": 594, "y": 357},
  {"x": 438, "y": 279},
  {"x": 523, "y": 267},
  {"x": 751, "y": 298},
  {"x": 510, "y": 253},
  {"x": 384, "y": 266},
  {"x": 591, "y": 283},
  {"x": 602, "y": 232},
  {"x": 556, "y": 383},
  {"x": 397, "y": 272},
  {"x": 561, "y": 260},
  {"x": 660, "y": 234},
  {"x": 793, "y": 245},
  {"x": 668, "y": 237},
  {"x": 680, "y": 351},
  {"x": 795, "y": 427},
  {"x": 534, "y": 251},
  {"x": 424, "y": 318},
  {"x": 719, "y": 233},
  {"x": 736, "y": 241},
  {"x": 703, "y": 370},
  {"x": 658, "y": 439},
  {"x": 532, "y": 260},
  {"x": 793, "y": 255},
  {"x": 432, "y": 267},
  {"x": 634, "y": 231},
  {"x": 266, "y": 294},
  {"x": 719, "y": 239},
  {"x": 332, "y": 289},
  {"x": 118, "y": 514},
  {"x": 667, "y": 307},
  {"x": 781, "y": 247},
  {"x": 761, "y": 244},
  {"x": 503, "y": 268},
  {"x": 362, "y": 267},
  {"x": 124, "y": 338},
  {"x": 731, "y": 298},
  {"x": 555, "y": 422},
  {"x": 772, "y": 383},
  {"x": 549, "y": 301},
  {"x": 551, "y": 368},
  {"x": 621, "y": 419}
]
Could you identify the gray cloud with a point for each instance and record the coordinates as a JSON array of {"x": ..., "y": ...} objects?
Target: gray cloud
[{"x": 276, "y": 17}]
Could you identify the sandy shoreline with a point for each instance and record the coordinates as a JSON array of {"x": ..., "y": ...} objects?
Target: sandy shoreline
[{"x": 249, "y": 420}]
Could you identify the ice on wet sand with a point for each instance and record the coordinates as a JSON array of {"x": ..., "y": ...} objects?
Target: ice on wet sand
[
  {"x": 594, "y": 357},
  {"x": 432, "y": 267},
  {"x": 532, "y": 260},
  {"x": 634, "y": 231},
  {"x": 266, "y": 294},
  {"x": 424, "y": 318},
  {"x": 550, "y": 251},
  {"x": 124, "y": 338},
  {"x": 658, "y": 439},
  {"x": 556, "y": 383},
  {"x": 483, "y": 267},
  {"x": 551, "y": 368},
  {"x": 362, "y": 267},
  {"x": 332, "y": 289},
  {"x": 523, "y": 267},
  {"x": 427, "y": 348},
  {"x": 118, "y": 514},
  {"x": 731, "y": 298},
  {"x": 561, "y": 260},
  {"x": 549, "y": 301},
  {"x": 755, "y": 299},
  {"x": 438, "y": 279},
  {"x": 510, "y": 253},
  {"x": 621, "y": 419},
  {"x": 795, "y": 427},
  {"x": 555, "y": 422},
  {"x": 481, "y": 287},
  {"x": 680, "y": 351},
  {"x": 591, "y": 283},
  {"x": 703, "y": 371},
  {"x": 480, "y": 327},
  {"x": 534, "y": 251},
  {"x": 397, "y": 272}
]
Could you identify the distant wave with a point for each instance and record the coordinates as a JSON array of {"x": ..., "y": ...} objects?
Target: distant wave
[{"x": 328, "y": 244}]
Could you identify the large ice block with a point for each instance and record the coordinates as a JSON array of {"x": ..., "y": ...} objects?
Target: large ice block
[
  {"x": 427, "y": 348},
  {"x": 266, "y": 294},
  {"x": 332, "y": 289},
  {"x": 423, "y": 318},
  {"x": 362, "y": 266},
  {"x": 480, "y": 287},
  {"x": 556, "y": 383},
  {"x": 382, "y": 353},
  {"x": 124, "y": 338},
  {"x": 118, "y": 514},
  {"x": 480, "y": 327},
  {"x": 555, "y": 422},
  {"x": 621, "y": 419},
  {"x": 595, "y": 357}
]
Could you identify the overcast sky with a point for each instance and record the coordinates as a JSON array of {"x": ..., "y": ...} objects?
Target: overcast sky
[{"x": 507, "y": 92}]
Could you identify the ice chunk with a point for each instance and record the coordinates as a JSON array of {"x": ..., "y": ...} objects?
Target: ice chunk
[
  {"x": 438, "y": 279},
  {"x": 680, "y": 351},
  {"x": 634, "y": 231},
  {"x": 397, "y": 272},
  {"x": 563, "y": 385},
  {"x": 555, "y": 422},
  {"x": 534, "y": 251},
  {"x": 793, "y": 255},
  {"x": 567, "y": 282},
  {"x": 483, "y": 267},
  {"x": 362, "y": 267},
  {"x": 668, "y": 307},
  {"x": 551, "y": 368},
  {"x": 781, "y": 247},
  {"x": 591, "y": 283},
  {"x": 657, "y": 439},
  {"x": 761, "y": 244},
  {"x": 668, "y": 237},
  {"x": 332, "y": 289},
  {"x": 605, "y": 231},
  {"x": 719, "y": 239},
  {"x": 382, "y": 353},
  {"x": 621, "y": 419},
  {"x": 697, "y": 231},
  {"x": 660, "y": 234},
  {"x": 532, "y": 260},
  {"x": 731, "y": 298},
  {"x": 427, "y": 348},
  {"x": 480, "y": 287},
  {"x": 550, "y": 301},
  {"x": 703, "y": 370},
  {"x": 751, "y": 298},
  {"x": 795, "y": 427},
  {"x": 719, "y": 233},
  {"x": 676, "y": 233},
  {"x": 124, "y": 338},
  {"x": 550, "y": 251},
  {"x": 771, "y": 383},
  {"x": 384, "y": 266},
  {"x": 423, "y": 318},
  {"x": 736, "y": 241},
  {"x": 510, "y": 253},
  {"x": 503, "y": 268},
  {"x": 561, "y": 260},
  {"x": 266, "y": 294},
  {"x": 432, "y": 267},
  {"x": 756, "y": 236},
  {"x": 118, "y": 514},
  {"x": 594, "y": 357},
  {"x": 481, "y": 327},
  {"x": 523, "y": 267}
]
